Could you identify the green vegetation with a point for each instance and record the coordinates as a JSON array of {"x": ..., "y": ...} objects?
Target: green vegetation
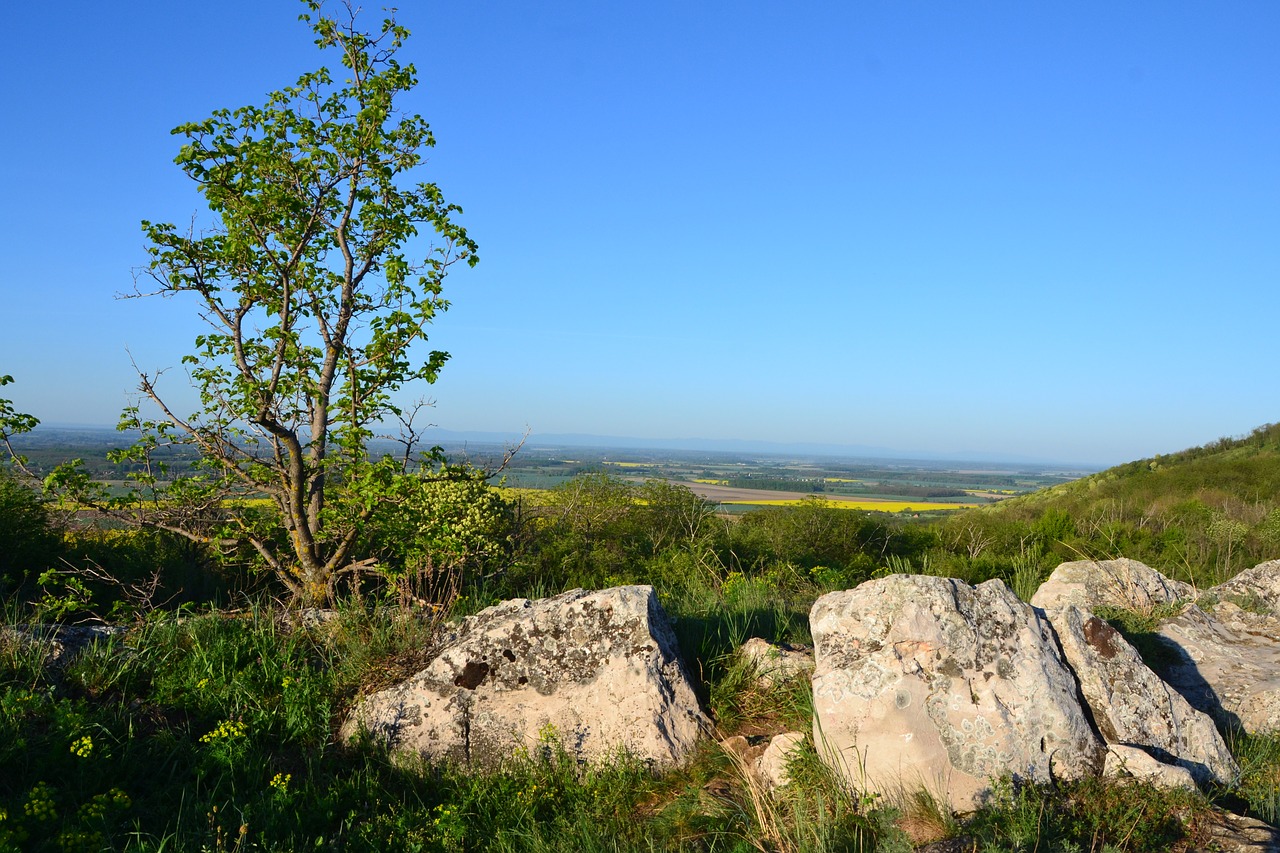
[
  {"x": 238, "y": 710},
  {"x": 315, "y": 290},
  {"x": 1201, "y": 515},
  {"x": 210, "y": 722}
]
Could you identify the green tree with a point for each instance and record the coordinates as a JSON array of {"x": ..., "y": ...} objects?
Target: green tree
[{"x": 316, "y": 291}]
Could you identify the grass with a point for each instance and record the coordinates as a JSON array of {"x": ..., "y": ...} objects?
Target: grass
[
  {"x": 1259, "y": 759},
  {"x": 217, "y": 732}
]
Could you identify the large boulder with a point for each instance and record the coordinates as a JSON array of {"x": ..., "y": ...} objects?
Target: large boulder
[
  {"x": 1123, "y": 583},
  {"x": 597, "y": 671},
  {"x": 1132, "y": 706},
  {"x": 1226, "y": 663},
  {"x": 926, "y": 681}
]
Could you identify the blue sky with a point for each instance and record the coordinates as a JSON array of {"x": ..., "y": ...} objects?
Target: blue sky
[{"x": 1047, "y": 230}]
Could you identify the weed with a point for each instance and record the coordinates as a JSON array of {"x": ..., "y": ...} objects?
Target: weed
[{"x": 1259, "y": 786}]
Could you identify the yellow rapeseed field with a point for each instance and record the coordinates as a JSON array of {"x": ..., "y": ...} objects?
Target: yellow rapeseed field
[{"x": 873, "y": 506}]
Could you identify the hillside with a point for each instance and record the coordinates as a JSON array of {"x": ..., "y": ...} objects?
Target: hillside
[
  {"x": 1202, "y": 513},
  {"x": 1245, "y": 468}
]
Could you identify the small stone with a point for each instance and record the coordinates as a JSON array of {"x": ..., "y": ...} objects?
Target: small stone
[
  {"x": 1130, "y": 762},
  {"x": 775, "y": 664},
  {"x": 771, "y": 767}
]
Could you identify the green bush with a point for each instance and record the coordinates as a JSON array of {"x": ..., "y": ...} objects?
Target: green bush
[{"x": 27, "y": 544}]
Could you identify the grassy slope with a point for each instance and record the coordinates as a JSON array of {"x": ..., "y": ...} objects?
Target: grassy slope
[
  {"x": 1244, "y": 469},
  {"x": 1200, "y": 515}
]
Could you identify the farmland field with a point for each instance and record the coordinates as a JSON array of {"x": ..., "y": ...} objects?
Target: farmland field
[
  {"x": 770, "y": 497},
  {"x": 736, "y": 482}
]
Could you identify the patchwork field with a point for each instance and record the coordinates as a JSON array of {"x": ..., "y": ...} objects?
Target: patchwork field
[{"x": 770, "y": 497}]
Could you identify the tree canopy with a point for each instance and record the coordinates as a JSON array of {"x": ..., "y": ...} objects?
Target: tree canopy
[{"x": 316, "y": 286}]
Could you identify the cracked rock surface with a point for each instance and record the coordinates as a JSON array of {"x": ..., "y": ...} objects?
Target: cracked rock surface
[
  {"x": 929, "y": 681},
  {"x": 598, "y": 672},
  {"x": 1132, "y": 706}
]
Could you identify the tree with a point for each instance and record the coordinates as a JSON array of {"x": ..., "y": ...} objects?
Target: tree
[{"x": 315, "y": 294}]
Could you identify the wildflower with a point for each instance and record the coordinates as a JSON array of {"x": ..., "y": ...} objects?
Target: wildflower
[
  {"x": 202, "y": 683},
  {"x": 78, "y": 839},
  {"x": 39, "y": 804},
  {"x": 281, "y": 782},
  {"x": 82, "y": 746},
  {"x": 226, "y": 730}
]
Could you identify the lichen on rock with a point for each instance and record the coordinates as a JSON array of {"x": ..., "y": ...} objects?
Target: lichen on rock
[{"x": 597, "y": 671}]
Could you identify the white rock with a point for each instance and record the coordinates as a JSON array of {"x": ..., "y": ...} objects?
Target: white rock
[
  {"x": 1131, "y": 762},
  {"x": 926, "y": 681},
  {"x": 1225, "y": 667},
  {"x": 1260, "y": 584},
  {"x": 776, "y": 664},
  {"x": 771, "y": 767},
  {"x": 598, "y": 671},
  {"x": 1132, "y": 706},
  {"x": 1122, "y": 583}
]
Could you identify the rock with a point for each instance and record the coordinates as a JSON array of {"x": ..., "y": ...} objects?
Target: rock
[
  {"x": 1132, "y": 706},
  {"x": 771, "y": 767},
  {"x": 1257, "y": 588},
  {"x": 1223, "y": 667},
  {"x": 1123, "y": 583},
  {"x": 929, "y": 681},
  {"x": 1225, "y": 663},
  {"x": 60, "y": 644},
  {"x": 777, "y": 664},
  {"x": 597, "y": 671},
  {"x": 1232, "y": 833},
  {"x": 312, "y": 618},
  {"x": 1131, "y": 762}
]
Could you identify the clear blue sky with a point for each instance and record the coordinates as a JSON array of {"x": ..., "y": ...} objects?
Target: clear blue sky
[{"x": 1042, "y": 229}]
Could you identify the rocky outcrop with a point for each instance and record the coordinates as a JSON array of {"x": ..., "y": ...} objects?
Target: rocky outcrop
[
  {"x": 1133, "y": 707},
  {"x": 1124, "y": 583},
  {"x": 1222, "y": 655},
  {"x": 929, "y": 681},
  {"x": 1226, "y": 664},
  {"x": 1255, "y": 590},
  {"x": 598, "y": 672},
  {"x": 775, "y": 664},
  {"x": 59, "y": 645},
  {"x": 1232, "y": 833}
]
